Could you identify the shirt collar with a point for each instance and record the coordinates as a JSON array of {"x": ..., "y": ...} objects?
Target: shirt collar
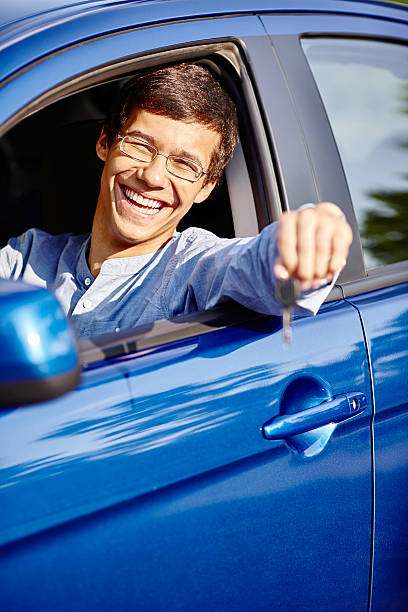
[{"x": 117, "y": 266}]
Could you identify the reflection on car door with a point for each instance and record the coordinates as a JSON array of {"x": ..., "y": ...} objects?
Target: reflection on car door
[
  {"x": 178, "y": 497},
  {"x": 240, "y": 521}
]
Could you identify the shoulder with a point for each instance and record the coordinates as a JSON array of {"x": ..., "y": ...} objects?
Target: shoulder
[
  {"x": 36, "y": 239},
  {"x": 196, "y": 236},
  {"x": 196, "y": 239},
  {"x": 37, "y": 251},
  {"x": 193, "y": 235},
  {"x": 33, "y": 236},
  {"x": 195, "y": 245}
]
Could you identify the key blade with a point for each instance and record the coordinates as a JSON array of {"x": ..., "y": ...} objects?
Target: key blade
[{"x": 287, "y": 330}]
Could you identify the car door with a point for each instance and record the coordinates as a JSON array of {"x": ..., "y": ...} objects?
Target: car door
[
  {"x": 360, "y": 69},
  {"x": 162, "y": 483}
]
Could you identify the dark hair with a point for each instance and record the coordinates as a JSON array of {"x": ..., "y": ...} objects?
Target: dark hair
[{"x": 185, "y": 92}]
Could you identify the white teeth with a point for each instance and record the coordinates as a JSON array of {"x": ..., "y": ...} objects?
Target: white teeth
[{"x": 154, "y": 205}]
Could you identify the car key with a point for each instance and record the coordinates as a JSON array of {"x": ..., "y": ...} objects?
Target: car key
[{"x": 287, "y": 292}]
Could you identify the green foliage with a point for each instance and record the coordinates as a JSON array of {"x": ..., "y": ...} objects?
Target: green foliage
[{"x": 387, "y": 234}]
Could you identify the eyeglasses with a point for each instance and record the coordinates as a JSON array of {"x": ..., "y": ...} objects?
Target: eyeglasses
[{"x": 144, "y": 151}]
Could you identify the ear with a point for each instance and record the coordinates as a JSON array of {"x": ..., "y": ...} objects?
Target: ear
[
  {"x": 205, "y": 192},
  {"x": 102, "y": 146}
]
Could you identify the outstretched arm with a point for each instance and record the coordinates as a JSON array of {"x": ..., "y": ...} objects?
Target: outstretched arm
[{"x": 310, "y": 244}]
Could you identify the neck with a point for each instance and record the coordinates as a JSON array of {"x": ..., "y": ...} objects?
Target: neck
[{"x": 103, "y": 248}]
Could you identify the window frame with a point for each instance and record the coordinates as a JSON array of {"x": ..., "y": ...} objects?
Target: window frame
[
  {"x": 258, "y": 166},
  {"x": 380, "y": 269},
  {"x": 325, "y": 163}
]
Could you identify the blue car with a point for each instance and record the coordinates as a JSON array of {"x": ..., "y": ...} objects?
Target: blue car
[{"x": 197, "y": 463}]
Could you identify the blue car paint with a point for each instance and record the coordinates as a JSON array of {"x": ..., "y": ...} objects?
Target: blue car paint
[
  {"x": 171, "y": 485},
  {"x": 35, "y": 37},
  {"x": 79, "y": 59},
  {"x": 151, "y": 485},
  {"x": 385, "y": 317},
  {"x": 36, "y": 339}
]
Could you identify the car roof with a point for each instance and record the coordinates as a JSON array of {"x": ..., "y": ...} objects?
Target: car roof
[
  {"x": 31, "y": 30},
  {"x": 20, "y": 10}
]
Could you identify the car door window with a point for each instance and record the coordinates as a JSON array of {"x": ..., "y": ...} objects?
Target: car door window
[{"x": 364, "y": 87}]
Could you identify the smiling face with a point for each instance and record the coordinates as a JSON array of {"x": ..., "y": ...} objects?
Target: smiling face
[{"x": 140, "y": 204}]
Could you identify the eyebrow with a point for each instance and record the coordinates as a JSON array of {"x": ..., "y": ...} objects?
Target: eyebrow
[{"x": 180, "y": 153}]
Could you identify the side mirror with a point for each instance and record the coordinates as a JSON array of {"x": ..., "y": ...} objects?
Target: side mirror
[{"x": 38, "y": 351}]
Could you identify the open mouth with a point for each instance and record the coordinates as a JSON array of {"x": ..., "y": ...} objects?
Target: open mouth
[{"x": 145, "y": 205}]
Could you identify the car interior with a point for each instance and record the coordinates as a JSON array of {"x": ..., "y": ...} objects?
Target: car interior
[{"x": 50, "y": 171}]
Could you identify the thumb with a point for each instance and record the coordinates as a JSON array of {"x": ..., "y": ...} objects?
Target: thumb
[{"x": 280, "y": 271}]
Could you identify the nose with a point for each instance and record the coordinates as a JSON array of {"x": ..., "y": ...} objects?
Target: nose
[{"x": 155, "y": 173}]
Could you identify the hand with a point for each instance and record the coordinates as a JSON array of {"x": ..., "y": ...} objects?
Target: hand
[{"x": 313, "y": 244}]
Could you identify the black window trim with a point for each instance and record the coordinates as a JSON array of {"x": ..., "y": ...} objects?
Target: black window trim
[{"x": 377, "y": 278}]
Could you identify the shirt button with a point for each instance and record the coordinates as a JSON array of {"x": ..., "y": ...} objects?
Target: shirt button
[
  {"x": 87, "y": 304},
  {"x": 87, "y": 282}
]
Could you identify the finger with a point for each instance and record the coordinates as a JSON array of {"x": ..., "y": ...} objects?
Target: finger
[
  {"x": 287, "y": 242},
  {"x": 306, "y": 238},
  {"x": 323, "y": 248},
  {"x": 280, "y": 271},
  {"x": 341, "y": 241}
]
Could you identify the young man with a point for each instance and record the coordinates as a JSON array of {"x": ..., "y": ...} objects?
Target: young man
[{"x": 164, "y": 146}]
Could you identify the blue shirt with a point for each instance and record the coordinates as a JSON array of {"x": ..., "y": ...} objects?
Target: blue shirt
[{"x": 194, "y": 271}]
